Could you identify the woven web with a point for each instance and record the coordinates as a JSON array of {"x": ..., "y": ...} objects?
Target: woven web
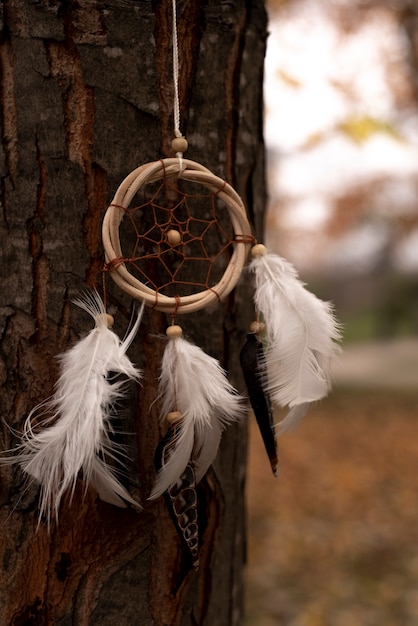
[{"x": 199, "y": 260}]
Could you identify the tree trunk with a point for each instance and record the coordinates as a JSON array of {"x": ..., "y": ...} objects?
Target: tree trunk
[{"x": 87, "y": 96}]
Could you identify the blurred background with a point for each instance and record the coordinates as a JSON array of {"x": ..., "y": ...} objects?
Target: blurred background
[{"x": 334, "y": 540}]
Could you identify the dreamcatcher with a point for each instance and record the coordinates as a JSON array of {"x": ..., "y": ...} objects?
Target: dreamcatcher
[{"x": 157, "y": 249}]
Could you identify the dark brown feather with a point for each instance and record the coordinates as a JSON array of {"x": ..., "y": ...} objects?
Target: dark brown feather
[{"x": 253, "y": 368}]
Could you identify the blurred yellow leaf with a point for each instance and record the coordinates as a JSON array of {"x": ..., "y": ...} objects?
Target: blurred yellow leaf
[
  {"x": 288, "y": 79},
  {"x": 360, "y": 129},
  {"x": 313, "y": 140}
]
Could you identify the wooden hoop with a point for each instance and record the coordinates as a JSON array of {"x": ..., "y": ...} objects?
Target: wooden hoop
[{"x": 186, "y": 170}]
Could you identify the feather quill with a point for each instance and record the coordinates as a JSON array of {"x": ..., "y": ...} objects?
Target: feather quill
[
  {"x": 74, "y": 436},
  {"x": 301, "y": 336},
  {"x": 194, "y": 384}
]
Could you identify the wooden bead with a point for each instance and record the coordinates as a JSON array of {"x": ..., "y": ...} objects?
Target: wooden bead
[
  {"x": 258, "y": 250},
  {"x": 257, "y": 327},
  {"x": 174, "y": 331},
  {"x": 179, "y": 144},
  {"x": 110, "y": 320},
  {"x": 173, "y": 417},
  {"x": 173, "y": 237}
]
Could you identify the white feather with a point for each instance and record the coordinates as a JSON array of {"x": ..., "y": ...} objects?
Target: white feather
[
  {"x": 194, "y": 384},
  {"x": 206, "y": 448},
  {"x": 73, "y": 437},
  {"x": 301, "y": 335}
]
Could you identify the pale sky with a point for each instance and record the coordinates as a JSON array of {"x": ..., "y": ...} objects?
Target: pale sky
[{"x": 316, "y": 79}]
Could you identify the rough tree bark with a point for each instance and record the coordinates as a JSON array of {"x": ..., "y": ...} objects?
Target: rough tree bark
[{"x": 86, "y": 96}]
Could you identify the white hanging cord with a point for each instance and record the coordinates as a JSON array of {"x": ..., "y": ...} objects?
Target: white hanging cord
[
  {"x": 179, "y": 143},
  {"x": 177, "y": 131}
]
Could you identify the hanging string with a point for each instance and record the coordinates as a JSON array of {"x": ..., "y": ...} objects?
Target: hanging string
[{"x": 177, "y": 131}]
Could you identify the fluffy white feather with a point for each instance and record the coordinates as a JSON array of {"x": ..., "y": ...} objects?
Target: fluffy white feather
[
  {"x": 194, "y": 384},
  {"x": 74, "y": 435},
  {"x": 301, "y": 335}
]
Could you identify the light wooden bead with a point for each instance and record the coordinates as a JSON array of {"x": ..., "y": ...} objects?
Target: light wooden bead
[
  {"x": 258, "y": 250},
  {"x": 174, "y": 331},
  {"x": 173, "y": 417},
  {"x": 179, "y": 144},
  {"x": 173, "y": 237},
  {"x": 257, "y": 327},
  {"x": 110, "y": 320}
]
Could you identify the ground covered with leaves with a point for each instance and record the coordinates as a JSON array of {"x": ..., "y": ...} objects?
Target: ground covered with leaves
[{"x": 333, "y": 541}]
